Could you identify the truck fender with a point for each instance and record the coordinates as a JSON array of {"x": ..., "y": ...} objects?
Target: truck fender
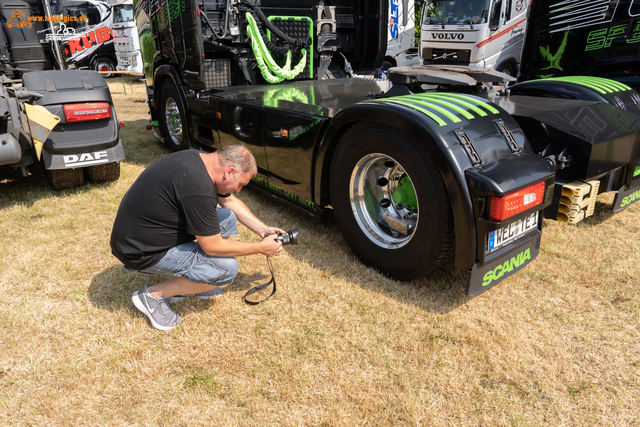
[
  {"x": 422, "y": 128},
  {"x": 583, "y": 88}
]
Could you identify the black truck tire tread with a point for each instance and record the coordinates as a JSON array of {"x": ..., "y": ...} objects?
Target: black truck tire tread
[
  {"x": 63, "y": 179},
  {"x": 107, "y": 172}
]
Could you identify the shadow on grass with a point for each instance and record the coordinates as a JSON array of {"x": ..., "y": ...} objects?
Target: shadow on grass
[
  {"x": 112, "y": 289},
  {"x": 140, "y": 147},
  {"x": 322, "y": 246},
  {"x": 18, "y": 190}
]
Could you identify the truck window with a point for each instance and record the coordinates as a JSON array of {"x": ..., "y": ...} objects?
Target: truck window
[
  {"x": 494, "y": 22},
  {"x": 455, "y": 12},
  {"x": 81, "y": 17},
  {"x": 123, "y": 13}
]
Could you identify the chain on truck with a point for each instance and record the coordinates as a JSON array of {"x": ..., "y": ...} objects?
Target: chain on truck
[
  {"x": 427, "y": 167},
  {"x": 61, "y": 120}
]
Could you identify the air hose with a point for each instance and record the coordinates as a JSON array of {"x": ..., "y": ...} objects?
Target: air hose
[{"x": 271, "y": 71}]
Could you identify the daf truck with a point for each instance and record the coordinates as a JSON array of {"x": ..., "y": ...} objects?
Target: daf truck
[
  {"x": 428, "y": 167},
  {"x": 62, "y": 121}
]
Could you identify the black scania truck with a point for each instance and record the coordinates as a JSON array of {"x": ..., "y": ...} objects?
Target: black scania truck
[{"x": 424, "y": 166}]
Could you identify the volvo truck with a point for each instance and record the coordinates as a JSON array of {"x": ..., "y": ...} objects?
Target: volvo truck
[{"x": 474, "y": 33}]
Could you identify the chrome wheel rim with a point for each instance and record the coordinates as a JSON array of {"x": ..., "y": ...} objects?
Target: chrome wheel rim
[
  {"x": 172, "y": 119},
  {"x": 384, "y": 221}
]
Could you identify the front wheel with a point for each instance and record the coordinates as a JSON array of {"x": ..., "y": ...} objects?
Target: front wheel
[
  {"x": 390, "y": 202},
  {"x": 105, "y": 66},
  {"x": 507, "y": 68},
  {"x": 172, "y": 117}
]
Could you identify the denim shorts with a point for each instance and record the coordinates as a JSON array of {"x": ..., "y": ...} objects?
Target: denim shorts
[{"x": 189, "y": 260}]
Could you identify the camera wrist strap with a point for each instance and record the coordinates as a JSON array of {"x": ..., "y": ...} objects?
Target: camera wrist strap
[{"x": 262, "y": 286}]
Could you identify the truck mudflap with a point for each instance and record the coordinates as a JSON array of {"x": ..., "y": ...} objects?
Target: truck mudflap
[
  {"x": 481, "y": 277},
  {"x": 625, "y": 198},
  {"x": 80, "y": 160}
]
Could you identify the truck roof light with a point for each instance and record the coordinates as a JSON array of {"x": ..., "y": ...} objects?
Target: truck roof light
[
  {"x": 517, "y": 202},
  {"x": 86, "y": 111}
]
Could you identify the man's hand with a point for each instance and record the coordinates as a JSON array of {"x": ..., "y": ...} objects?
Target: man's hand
[
  {"x": 271, "y": 230},
  {"x": 270, "y": 246}
]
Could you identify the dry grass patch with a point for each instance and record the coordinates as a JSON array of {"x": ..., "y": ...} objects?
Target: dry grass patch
[{"x": 338, "y": 345}]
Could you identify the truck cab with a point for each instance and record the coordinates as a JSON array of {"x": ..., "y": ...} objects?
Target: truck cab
[
  {"x": 475, "y": 33},
  {"x": 125, "y": 37}
]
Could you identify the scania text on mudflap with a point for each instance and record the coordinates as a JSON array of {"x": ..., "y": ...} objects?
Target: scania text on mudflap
[
  {"x": 416, "y": 177},
  {"x": 63, "y": 121}
]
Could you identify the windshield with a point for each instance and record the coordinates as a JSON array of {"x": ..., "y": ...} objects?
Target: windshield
[
  {"x": 459, "y": 12},
  {"x": 123, "y": 13}
]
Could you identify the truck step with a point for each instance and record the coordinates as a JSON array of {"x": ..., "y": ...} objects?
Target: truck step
[{"x": 578, "y": 201}]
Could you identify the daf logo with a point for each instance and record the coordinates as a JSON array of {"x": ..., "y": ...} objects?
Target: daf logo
[{"x": 448, "y": 36}]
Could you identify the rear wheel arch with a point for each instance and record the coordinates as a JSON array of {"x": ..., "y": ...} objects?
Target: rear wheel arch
[{"x": 454, "y": 179}]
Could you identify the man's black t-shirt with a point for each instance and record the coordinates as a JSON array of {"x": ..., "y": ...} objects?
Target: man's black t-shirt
[{"x": 170, "y": 203}]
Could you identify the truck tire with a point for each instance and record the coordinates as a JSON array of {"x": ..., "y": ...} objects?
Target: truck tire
[
  {"x": 507, "y": 68},
  {"x": 172, "y": 117},
  {"x": 401, "y": 238},
  {"x": 104, "y": 64},
  {"x": 62, "y": 179},
  {"x": 103, "y": 173}
]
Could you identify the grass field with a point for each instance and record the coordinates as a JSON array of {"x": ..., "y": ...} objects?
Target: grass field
[{"x": 557, "y": 344}]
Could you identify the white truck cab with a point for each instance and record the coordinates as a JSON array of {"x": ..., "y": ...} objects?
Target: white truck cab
[
  {"x": 401, "y": 38},
  {"x": 476, "y": 33},
  {"x": 125, "y": 33}
]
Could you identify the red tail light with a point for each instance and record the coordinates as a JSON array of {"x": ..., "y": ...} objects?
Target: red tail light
[
  {"x": 86, "y": 111},
  {"x": 517, "y": 202}
]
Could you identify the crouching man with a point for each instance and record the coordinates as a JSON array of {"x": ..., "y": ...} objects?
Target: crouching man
[{"x": 169, "y": 222}]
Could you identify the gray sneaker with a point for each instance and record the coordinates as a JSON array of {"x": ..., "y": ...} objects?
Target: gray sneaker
[
  {"x": 157, "y": 310},
  {"x": 202, "y": 295}
]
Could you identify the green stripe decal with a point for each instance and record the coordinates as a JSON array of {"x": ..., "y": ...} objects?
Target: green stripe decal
[
  {"x": 422, "y": 110},
  {"x": 432, "y": 106},
  {"x": 597, "y": 84},
  {"x": 477, "y": 101},
  {"x": 445, "y": 108},
  {"x": 465, "y": 101},
  {"x": 444, "y": 102}
]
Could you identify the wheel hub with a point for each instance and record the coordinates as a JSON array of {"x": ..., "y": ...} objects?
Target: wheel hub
[
  {"x": 383, "y": 200},
  {"x": 172, "y": 119}
]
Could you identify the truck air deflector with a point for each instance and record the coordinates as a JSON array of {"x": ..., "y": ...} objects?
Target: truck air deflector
[{"x": 445, "y": 109}]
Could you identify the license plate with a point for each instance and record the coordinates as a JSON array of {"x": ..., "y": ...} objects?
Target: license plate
[{"x": 505, "y": 235}]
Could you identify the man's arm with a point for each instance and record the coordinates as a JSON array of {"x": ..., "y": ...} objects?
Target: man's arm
[
  {"x": 246, "y": 217},
  {"x": 217, "y": 246}
]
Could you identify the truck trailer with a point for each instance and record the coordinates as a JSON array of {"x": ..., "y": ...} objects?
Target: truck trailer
[{"x": 428, "y": 166}]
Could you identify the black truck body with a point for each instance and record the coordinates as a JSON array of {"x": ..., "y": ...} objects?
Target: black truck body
[
  {"x": 592, "y": 38},
  {"x": 422, "y": 168}
]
